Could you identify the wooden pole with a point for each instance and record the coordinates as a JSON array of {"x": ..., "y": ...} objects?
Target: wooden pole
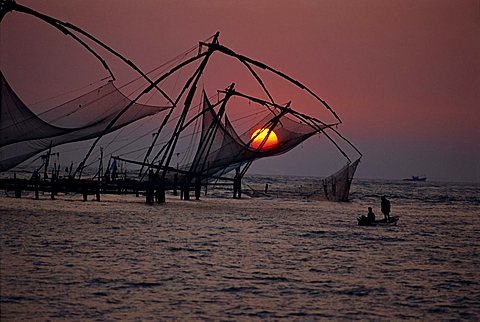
[
  {"x": 52, "y": 182},
  {"x": 36, "y": 179},
  {"x": 97, "y": 194},
  {"x": 84, "y": 190},
  {"x": 198, "y": 188},
  {"x": 17, "y": 187}
]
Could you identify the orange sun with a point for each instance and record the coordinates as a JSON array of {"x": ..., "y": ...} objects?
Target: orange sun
[{"x": 258, "y": 137}]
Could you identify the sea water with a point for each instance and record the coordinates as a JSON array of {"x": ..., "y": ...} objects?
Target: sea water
[{"x": 279, "y": 256}]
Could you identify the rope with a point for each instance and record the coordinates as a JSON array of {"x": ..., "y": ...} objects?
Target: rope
[{"x": 68, "y": 92}]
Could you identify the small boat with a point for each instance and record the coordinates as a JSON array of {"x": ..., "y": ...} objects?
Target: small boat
[
  {"x": 362, "y": 221},
  {"x": 416, "y": 178}
]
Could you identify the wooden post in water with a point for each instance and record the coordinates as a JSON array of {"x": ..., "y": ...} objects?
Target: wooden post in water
[
  {"x": 17, "y": 187},
  {"x": 84, "y": 191},
  {"x": 198, "y": 188},
  {"x": 97, "y": 192},
  {"x": 186, "y": 190},
  {"x": 36, "y": 179},
  {"x": 161, "y": 191},
  {"x": 157, "y": 193},
  {"x": 175, "y": 182},
  {"x": 100, "y": 176},
  {"x": 52, "y": 181},
  {"x": 239, "y": 188},
  {"x": 149, "y": 189}
]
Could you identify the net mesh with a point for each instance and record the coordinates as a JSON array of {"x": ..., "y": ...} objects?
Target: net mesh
[
  {"x": 337, "y": 186},
  {"x": 221, "y": 149},
  {"x": 23, "y": 134}
]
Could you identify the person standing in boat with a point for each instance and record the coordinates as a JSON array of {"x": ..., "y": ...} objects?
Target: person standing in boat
[
  {"x": 237, "y": 184},
  {"x": 385, "y": 206}
]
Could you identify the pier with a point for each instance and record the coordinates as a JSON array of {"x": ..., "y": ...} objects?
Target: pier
[{"x": 153, "y": 190}]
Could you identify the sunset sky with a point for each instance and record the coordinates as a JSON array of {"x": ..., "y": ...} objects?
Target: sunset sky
[{"x": 404, "y": 76}]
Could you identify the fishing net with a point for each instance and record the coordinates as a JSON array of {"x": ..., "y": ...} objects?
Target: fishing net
[
  {"x": 103, "y": 110},
  {"x": 24, "y": 134},
  {"x": 337, "y": 186},
  {"x": 221, "y": 149}
]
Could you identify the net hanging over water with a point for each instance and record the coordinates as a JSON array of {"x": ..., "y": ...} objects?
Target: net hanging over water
[
  {"x": 23, "y": 134},
  {"x": 336, "y": 187},
  {"x": 221, "y": 149}
]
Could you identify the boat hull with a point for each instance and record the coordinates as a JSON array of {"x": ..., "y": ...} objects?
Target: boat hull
[{"x": 382, "y": 222}]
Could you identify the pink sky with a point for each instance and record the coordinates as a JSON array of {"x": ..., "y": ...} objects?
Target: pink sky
[{"x": 403, "y": 75}]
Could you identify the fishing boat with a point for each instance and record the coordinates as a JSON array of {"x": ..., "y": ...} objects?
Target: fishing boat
[
  {"x": 362, "y": 221},
  {"x": 416, "y": 178}
]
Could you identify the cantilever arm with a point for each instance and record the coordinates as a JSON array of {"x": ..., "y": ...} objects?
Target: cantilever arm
[
  {"x": 242, "y": 58},
  {"x": 310, "y": 120},
  {"x": 145, "y": 91},
  {"x": 65, "y": 28},
  {"x": 60, "y": 26}
]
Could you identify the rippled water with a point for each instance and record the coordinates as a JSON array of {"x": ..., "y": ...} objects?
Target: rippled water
[{"x": 267, "y": 258}]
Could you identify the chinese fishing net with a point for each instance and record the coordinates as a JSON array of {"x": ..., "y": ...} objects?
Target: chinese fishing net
[
  {"x": 221, "y": 149},
  {"x": 23, "y": 134}
]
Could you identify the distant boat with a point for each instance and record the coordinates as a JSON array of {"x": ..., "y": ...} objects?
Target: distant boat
[{"x": 416, "y": 178}]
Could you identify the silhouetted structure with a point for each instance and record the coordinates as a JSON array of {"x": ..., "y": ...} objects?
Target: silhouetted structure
[
  {"x": 385, "y": 206},
  {"x": 219, "y": 149}
]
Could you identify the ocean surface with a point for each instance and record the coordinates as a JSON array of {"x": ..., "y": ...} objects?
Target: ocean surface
[{"x": 276, "y": 256}]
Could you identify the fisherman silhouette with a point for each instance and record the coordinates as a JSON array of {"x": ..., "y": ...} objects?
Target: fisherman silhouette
[
  {"x": 368, "y": 219},
  {"x": 385, "y": 206},
  {"x": 370, "y": 215},
  {"x": 237, "y": 184}
]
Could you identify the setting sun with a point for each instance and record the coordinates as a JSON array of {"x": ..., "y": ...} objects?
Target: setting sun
[{"x": 258, "y": 137}]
